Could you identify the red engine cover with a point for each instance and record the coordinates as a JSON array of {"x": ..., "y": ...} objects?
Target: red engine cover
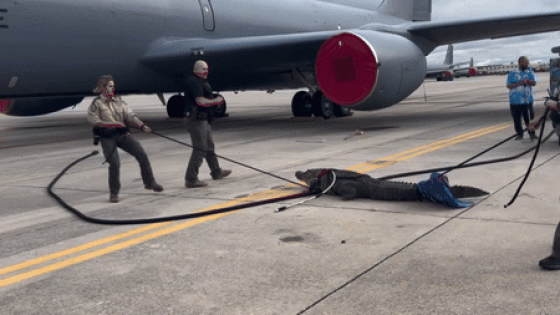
[{"x": 346, "y": 69}]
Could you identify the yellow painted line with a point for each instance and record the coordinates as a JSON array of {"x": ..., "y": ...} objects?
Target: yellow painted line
[
  {"x": 405, "y": 155},
  {"x": 80, "y": 248},
  {"x": 364, "y": 167},
  {"x": 74, "y": 260},
  {"x": 104, "y": 251}
]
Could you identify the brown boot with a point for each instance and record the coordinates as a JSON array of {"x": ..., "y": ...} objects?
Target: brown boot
[{"x": 223, "y": 173}]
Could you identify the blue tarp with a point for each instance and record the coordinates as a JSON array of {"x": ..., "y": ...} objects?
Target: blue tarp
[{"x": 436, "y": 189}]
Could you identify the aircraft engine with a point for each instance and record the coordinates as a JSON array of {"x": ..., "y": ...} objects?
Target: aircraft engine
[
  {"x": 368, "y": 70},
  {"x": 36, "y": 106}
]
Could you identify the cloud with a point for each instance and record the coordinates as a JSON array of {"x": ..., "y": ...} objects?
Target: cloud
[
  {"x": 451, "y": 9},
  {"x": 497, "y": 51}
]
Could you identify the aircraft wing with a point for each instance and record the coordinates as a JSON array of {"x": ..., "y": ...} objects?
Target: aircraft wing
[
  {"x": 254, "y": 54},
  {"x": 449, "y": 32},
  {"x": 455, "y": 65}
]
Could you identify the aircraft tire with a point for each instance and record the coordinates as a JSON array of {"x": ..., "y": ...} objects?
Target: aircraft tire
[
  {"x": 176, "y": 106},
  {"x": 341, "y": 111},
  {"x": 322, "y": 107},
  {"x": 302, "y": 104}
]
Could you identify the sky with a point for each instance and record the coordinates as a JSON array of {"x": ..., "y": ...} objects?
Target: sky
[{"x": 499, "y": 51}]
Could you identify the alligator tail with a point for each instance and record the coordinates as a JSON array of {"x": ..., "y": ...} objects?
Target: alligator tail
[
  {"x": 403, "y": 191},
  {"x": 467, "y": 191}
]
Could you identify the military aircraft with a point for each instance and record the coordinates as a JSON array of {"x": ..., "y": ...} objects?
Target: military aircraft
[
  {"x": 468, "y": 71},
  {"x": 445, "y": 70},
  {"x": 442, "y": 71},
  {"x": 350, "y": 54}
]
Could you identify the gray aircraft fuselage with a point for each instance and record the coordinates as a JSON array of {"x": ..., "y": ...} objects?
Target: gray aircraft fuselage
[
  {"x": 61, "y": 47},
  {"x": 356, "y": 53}
]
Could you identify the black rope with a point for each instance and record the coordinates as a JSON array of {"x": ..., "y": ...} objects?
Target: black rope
[
  {"x": 449, "y": 168},
  {"x": 532, "y": 162},
  {"x": 153, "y": 220},
  {"x": 314, "y": 197},
  {"x": 465, "y": 163},
  {"x": 230, "y": 160},
  {"x": 498, "y": 144}
]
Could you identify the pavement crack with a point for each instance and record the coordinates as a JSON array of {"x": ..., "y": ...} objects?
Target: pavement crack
[{"x": 437, "y": 227}]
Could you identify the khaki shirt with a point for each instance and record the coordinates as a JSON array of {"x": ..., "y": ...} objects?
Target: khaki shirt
[{"x": 114, "y": 113}]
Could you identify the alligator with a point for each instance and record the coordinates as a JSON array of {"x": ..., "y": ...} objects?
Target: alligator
[{"x": 350, "y": 185}]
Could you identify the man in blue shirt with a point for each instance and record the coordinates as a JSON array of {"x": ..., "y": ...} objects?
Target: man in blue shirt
[{"x": 520, "y": 82}]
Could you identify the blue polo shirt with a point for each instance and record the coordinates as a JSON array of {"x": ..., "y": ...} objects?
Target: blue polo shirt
[{"x": 521, "y": 94}]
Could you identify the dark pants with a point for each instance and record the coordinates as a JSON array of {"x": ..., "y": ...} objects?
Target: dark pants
[
  {"x": 132, "y": 147},
  {"x": 556, "y": 243},
  {"x": 201, "y": 137},
  {"x": 521, "y": 110}
]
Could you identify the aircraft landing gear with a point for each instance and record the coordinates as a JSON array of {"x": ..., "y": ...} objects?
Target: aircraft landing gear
[
  {"x": 322, "y": 107},
  {"x": 302, "y": 104},
  {"x": 305, "y": 104},
  {"x": 341, "y": 111}
]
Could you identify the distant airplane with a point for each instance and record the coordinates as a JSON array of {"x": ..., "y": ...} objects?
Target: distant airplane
[
  {"x": 444, "y": 71},
  {"x": 350, "y": 54},
  {"x": 469, "y": 71}
]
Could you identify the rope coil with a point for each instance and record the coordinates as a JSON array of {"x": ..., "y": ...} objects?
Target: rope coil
[{"x": 152, "y": 220}]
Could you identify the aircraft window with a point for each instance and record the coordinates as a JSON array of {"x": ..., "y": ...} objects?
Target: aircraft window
[{"x": 13, "y": 82}]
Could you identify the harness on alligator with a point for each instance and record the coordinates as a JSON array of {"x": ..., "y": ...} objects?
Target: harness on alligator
[{"x": 350, "y": 185}]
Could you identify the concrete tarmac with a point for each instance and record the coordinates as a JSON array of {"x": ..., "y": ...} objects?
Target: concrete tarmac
[{"x": 326, "y": 256}]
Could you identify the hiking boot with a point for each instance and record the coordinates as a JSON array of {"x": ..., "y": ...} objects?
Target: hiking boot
[
  {"x": 114, "y": 198},
  {"x": 195, "y": 184},
  {"x": 155, "y": 187},
  {"x": 223, "y": 173},
  {"x": 550, "y": 263}
]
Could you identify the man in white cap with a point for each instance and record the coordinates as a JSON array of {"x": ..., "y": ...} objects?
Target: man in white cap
[{"x": 199, "y": 95}]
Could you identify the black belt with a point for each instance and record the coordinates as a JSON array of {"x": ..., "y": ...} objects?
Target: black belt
[{"x": 104, "y": 132}]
